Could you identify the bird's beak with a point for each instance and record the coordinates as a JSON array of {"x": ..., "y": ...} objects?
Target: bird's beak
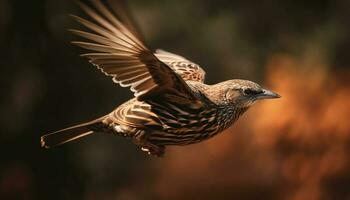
[{"x": 267, "y": 94}]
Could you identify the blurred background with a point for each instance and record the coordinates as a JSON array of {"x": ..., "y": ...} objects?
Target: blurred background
[{"x": 293, "y": 148}]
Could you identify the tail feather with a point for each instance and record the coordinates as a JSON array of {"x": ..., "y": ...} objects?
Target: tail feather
[{"x": 68, "y": 134}]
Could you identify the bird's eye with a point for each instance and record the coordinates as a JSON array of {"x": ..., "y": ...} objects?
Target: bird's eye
[{"x": 249, "y": 92}]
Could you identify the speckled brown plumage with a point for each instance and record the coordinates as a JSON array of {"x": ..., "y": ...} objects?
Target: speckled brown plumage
[{"x": 172, "y": 104}]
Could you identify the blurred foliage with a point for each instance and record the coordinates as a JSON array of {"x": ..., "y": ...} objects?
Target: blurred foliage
[{"x": 294, "y": 148}]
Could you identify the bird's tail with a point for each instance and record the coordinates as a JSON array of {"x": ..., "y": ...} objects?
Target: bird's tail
[{"x": 70, "y": 134}]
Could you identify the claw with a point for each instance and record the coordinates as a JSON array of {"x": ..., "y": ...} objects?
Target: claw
[{"x": 154, "y": 150}]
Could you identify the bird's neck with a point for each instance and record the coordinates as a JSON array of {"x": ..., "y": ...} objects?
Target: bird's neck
[
  {"x": 227, "y": 112},
  {"x": 228, "y": 115}
]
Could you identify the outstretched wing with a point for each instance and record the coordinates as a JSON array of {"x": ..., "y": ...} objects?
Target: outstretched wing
[
  {"x": 188, "y": 70},
  {"x": 121, "y": 55}
]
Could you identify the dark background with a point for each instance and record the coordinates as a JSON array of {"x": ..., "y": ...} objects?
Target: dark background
[{"x": 296, "y": 147}]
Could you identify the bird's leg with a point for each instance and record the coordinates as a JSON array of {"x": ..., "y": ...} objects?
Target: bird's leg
[
  {"x": 154, "y": 150},
  {"x": 146, "y": 146}
]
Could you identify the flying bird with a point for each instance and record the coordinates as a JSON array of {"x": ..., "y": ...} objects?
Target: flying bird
[{"x": 172, "y": 104}]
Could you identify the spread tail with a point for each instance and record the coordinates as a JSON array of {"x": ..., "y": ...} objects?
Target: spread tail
[{"x": 69, "y": 134}]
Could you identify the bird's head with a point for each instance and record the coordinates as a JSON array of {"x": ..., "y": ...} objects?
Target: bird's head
[{"x": 244, "y": 93}]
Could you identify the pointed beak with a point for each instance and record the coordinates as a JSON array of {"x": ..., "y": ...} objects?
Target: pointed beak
[{"x": 267, "y": 94}]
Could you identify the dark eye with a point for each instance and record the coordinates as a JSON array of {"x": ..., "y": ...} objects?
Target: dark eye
[{"x": 250, "y": 92}]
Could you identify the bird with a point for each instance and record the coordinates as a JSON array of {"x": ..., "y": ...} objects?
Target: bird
[{"x": 172, "y": 105}]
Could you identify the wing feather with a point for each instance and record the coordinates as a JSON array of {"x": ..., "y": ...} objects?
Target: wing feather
[
  {"x": 118, "y": 53},
  {"x": 188, "y": 70}
]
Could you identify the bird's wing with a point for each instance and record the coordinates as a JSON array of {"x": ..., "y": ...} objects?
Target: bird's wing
[
  {"x": 118, "y": 53},
  {"x": 188, "y": 70},
  {"x": 123, "y": 14}
]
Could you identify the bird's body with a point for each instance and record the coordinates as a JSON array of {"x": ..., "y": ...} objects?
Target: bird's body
[
  {"x": 172, "y": 104},
  {"x": 164, "y": 121}
]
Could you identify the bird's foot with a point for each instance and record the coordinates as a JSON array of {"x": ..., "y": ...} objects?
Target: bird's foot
[
  {"x": 154, "y": 150},
  {"x": 148, "y": 147}
]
